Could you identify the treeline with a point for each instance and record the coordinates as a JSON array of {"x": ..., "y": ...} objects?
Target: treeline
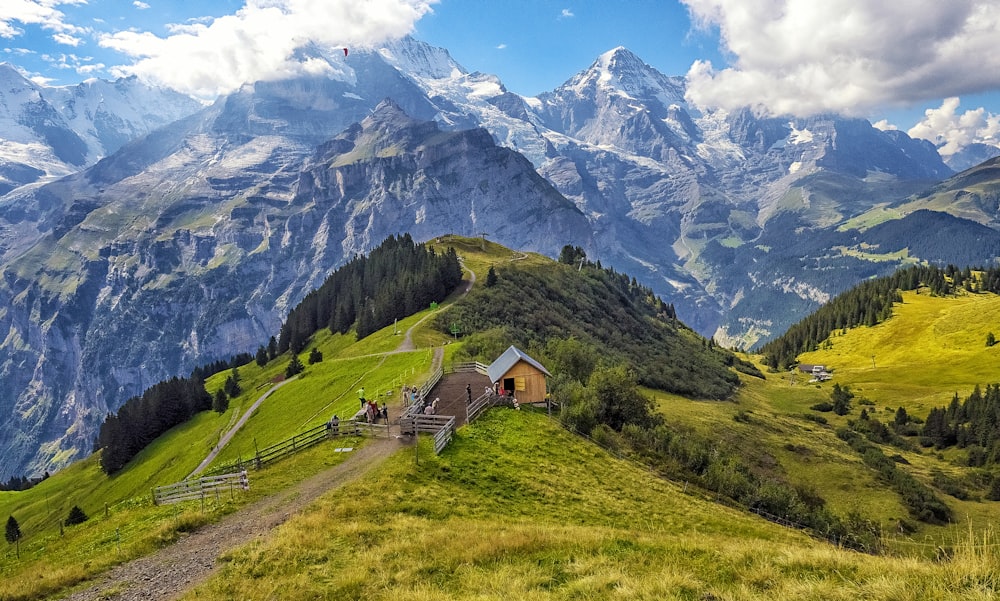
[
  {"x": 531, "y": 305},
  {"x": 394, "y": 281},
  {"x": 204, "y": 372},
  {"x": 868, "y": 304},
  {"x": 21, "y": 482},
  {"x": 973, "y": 425},
  {"x": 143, "y": 418}
]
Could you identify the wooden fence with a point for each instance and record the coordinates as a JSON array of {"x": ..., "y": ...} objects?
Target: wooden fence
[
  {"x": 475, "y": 366},
  {"x": 441, "y": 426},
  {"x": 480, "y": 404},
  {"x": 303, "y": 440},
  {"x": 202, "y": 488}
]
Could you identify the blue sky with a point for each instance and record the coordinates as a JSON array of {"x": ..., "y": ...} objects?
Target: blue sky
[{"x": 924, "y": 66}]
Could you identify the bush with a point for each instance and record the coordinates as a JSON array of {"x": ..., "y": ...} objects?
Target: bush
[{"x": 824, "y": 407}]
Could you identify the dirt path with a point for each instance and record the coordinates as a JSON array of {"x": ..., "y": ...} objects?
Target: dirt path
[
  {"x": 407, "y": 343},
  {"x": 232, "y": 431},
  {"x": 173, "y": 570}
]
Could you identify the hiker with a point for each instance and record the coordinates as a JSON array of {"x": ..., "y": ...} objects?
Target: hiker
[
  {"x": 489, "y": 391},
  {"x": 385, "y": 414},
  {"x": 468, "y": 394},
  {"x": 335, "y": 426},
  {"x": 361, "y": 396}
]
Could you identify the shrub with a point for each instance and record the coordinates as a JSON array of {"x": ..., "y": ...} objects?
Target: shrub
[{"x": 824, "y": 407}]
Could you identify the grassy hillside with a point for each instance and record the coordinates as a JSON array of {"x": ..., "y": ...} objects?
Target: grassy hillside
[
  {"x": 931, "y": 348},
  {"x": 516, "y": 508}
]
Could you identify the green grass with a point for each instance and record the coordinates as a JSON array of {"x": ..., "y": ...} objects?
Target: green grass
[
  {"x": 516, "y": 508},
  {"x": 323, "y": 389}
]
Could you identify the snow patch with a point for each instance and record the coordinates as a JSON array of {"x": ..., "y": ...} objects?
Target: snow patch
[{"x": 799, "y": 136}]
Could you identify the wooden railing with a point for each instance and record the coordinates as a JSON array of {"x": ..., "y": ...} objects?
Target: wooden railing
[
  {"x": 304, "y": 440},
  {"x": 480, "y": 404},
  {"x": 202, "y": 488},
  {"x": 441, "y": 426},
  {"x": 468, "y": 366}
]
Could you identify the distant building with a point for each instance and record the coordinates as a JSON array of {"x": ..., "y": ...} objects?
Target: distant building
[
  {"x": 515, "y": 371},
  {"x": 819, "y": 373}
]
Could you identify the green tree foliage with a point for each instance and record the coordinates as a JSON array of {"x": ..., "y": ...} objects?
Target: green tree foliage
[
  {"x": 13, "y": 532},
  {"x": 294, "y": 367},
  {"x": 572, "y": 255},
  {"x": 601, "y": 309},
  {"x": 395, "y": 280},
  {"x": 272, "y": 348},
  {"x": 572, "y": 357},
  {"x": 76, "y": 516},
  {"x": 840, "y": 398},
  {"x": 261, "y": 356},
  {"x": 141, "y": 419},
  {"x": 973, "y": 424},
  {"x": 220, "y": 402},
  {"x": 203, "y": 372},
  {"x": 991, "y": 340},
  {"x": 232, "y": 385},
  {"x": 619, "y": 401},
  {"x": 491, "y": 277},
  {"x": 315, "y": 356}
]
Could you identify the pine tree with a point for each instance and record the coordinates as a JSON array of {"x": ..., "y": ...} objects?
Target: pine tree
[
  {"x": 220, "y": 403},
  {"x": 76, "y": 516},
  {"x": 294, "y": 367},
  {"x": 491, "y": 277},
  {"x": 272, "y": 348},
  {"x": 13, "y": 533},
  {"x": 315, "y": 356},
  {"x": 261, "y": 357}
]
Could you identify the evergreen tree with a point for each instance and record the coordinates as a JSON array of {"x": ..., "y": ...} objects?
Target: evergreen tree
[
  {"x": 261, "y": 356},
  {"x": 272, "y": 348},
  {"x": 13, "y": 533},
  {"x": 76, "y": 516},
  {"x": 841, "y": 397},
  {"x": 315, "y": 356},
  {"x": 294, "y": 367},
  {"x": 220, "y": 403},
  {"x": 491, "y": 277}
]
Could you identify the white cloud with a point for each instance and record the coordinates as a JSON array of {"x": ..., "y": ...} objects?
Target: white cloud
[
  {"x": 259, "y": 41},
  {"x": 847, "y": 56},
  {"x": 952, "y": 131},
  {"x": 140, "y": 5},
  {"x": 501, "y": 46},
  {"x": 566, "y": 14},
  {"x": 34, "y": 12},
  {"x": 67, "y": 40},
  {"x": 884, "y": 125}
]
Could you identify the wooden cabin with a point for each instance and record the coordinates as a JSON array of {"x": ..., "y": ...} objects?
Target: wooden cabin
[{"x": 515, "y": 371}]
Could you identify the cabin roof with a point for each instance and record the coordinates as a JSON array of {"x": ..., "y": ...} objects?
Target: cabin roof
[{"x": 509, "y": 359}]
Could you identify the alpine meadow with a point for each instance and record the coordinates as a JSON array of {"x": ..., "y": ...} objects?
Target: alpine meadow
[{"x": 296, "y": 305}]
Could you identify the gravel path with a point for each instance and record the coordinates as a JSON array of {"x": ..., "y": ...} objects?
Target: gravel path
[{"x": 170, "y": 572}]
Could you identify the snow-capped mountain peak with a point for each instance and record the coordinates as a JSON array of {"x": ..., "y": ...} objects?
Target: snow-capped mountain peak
[{"x": 420, "y": 59}]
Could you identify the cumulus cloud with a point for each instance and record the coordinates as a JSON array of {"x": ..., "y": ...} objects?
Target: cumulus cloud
[
  {"x": 501, "y": 46},
  {"x": 259, "y": 41},
  {"x": 566, "y": 14},
  {"x": 34, "y": 12},
  {"x": 952, "y": 131},
  {"x": 789, "y": 57},
  {"x": 140, "y": 5}
]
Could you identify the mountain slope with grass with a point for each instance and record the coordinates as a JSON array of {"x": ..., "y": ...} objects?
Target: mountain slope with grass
[{"x": 672, "y": 506}]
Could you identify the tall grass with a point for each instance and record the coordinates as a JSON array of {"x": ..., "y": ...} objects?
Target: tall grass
[{"x": 517, "y": 508}]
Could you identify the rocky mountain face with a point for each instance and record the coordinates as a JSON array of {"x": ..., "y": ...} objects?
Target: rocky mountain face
[
  {"x": 192, "y": 241},
  {"x": 55, "y": 131}
]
